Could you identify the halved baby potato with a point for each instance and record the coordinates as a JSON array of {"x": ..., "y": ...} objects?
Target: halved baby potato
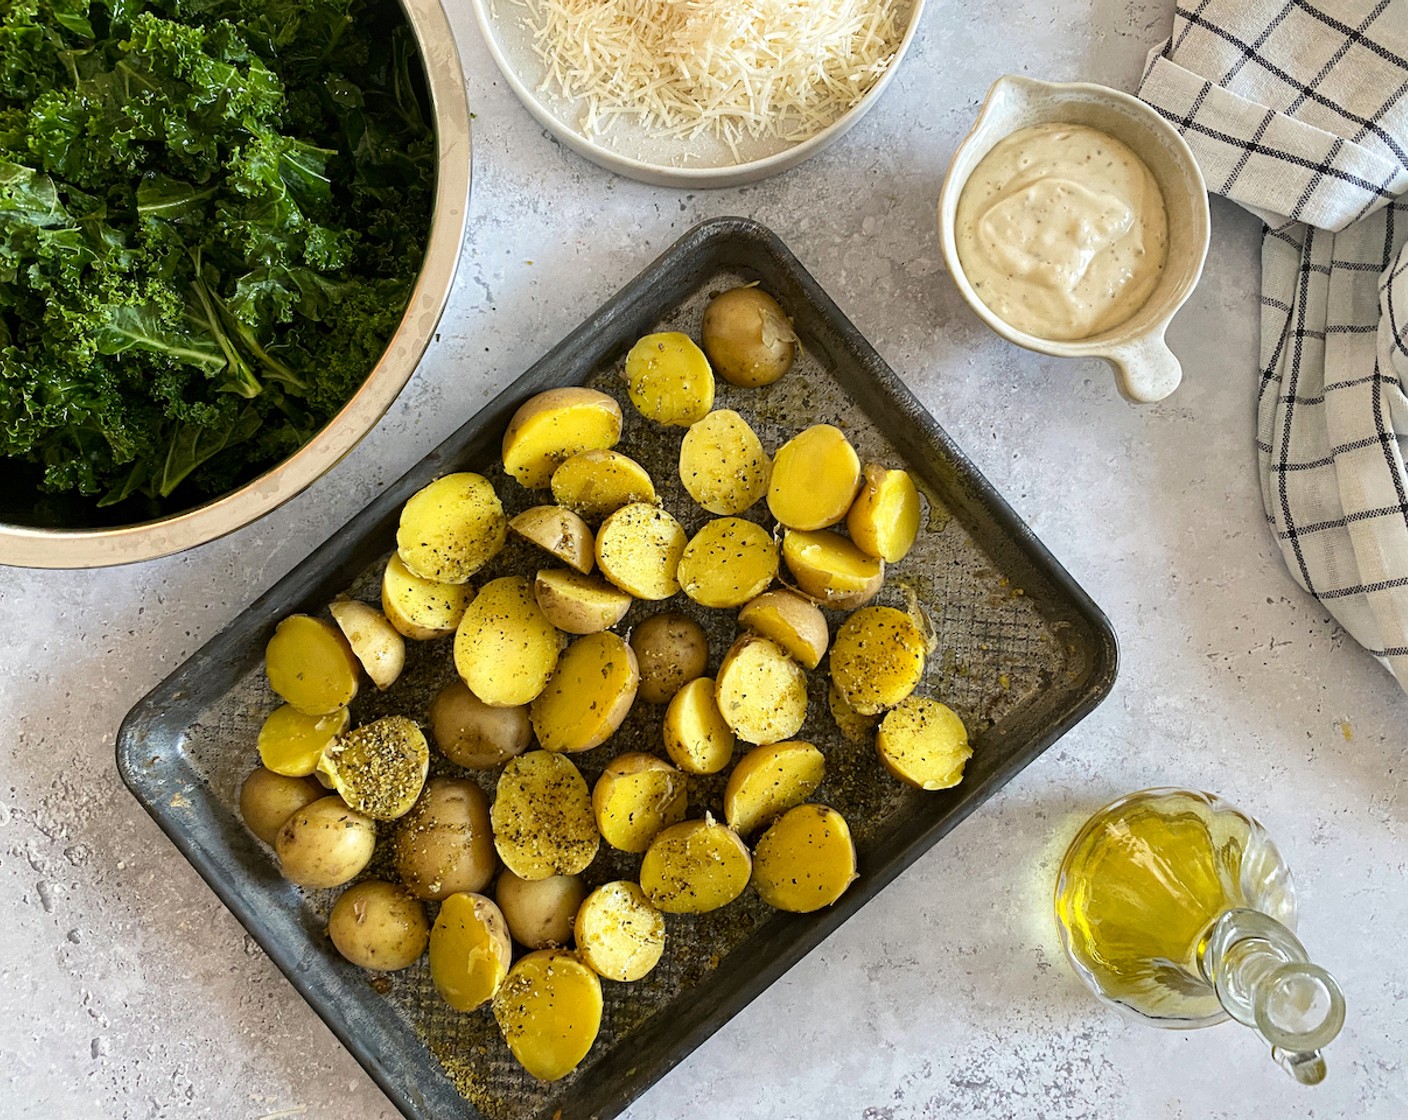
[
  {"x": 728, "y": 562},
  {"x": 539, "y": 912},
  {"x": 311, "y": 666},
  {"x": 380, "y": 767},
  {"x": 589, "y": 695},
  {"x": 877, "y": 659},
  {"x": 636, "y": 796},
  {"x": 549, "y": 1012},
  {"x": 421, "y": 609},
  {"x": 884, "y": 519},
  {"x": 722, "y": 463},
  {"x": 595, "y": 483},
  {"x": 770, "y": 780},
  {"x": 620, "y": 935},
  {"x": 579, "y": 604},
  {"x": 451, "y": 528},
  {"x": 558, "y": 531},
  {"x": 325, "y": 843},
  {"x": 815, "y": 478},
  {"x": 476, "y": 735},
  {"x": 792, "y": 621},
  {"x": 379, "y": 926},
  {"x": 444, "y": 845},
  {"x": 291, "y": 743},
  {"x": 805, "y": 861},
  {"x": 831, "y": 569},
  {"x": 669, "y": 380},
  {"x": 697, "y": 737},
  {"x": 638, "y": 549},
  {"x": 542, "y": 817},
  {"x": 553, "y": 426},
  {"x": 505, "y": 647},
  {"x": 694, "y": 867},
  {"x": 923, "y": 743},
  {"x": 377, "y": 644},
  {"x": 268, "y": 799},
  {"x": 854, "y": 726},
  {"x": 470, "y": 951},
  {"x": 761, "y": 692},
  {"x": 748, "y": 337}
]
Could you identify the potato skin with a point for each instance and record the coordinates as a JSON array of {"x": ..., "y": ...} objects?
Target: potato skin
[
  {"x": 379, "y": 926},
  {"x": 559, "y": 532},
  {"x": 555, "y": 425},
  {"x": 444, "y": 845},
  {"x": 748, "y": 337},
  {"x": 792, "y": 621},
  {"x": 539, "y": 912},
  {"x": 472, "y": 734},
  {"x": 578, "y": 604},
  {"x": 375, "y": 643},
  {"x": 671, "y": 650},
  {"x": 268, "y": 799},
  {"x": 325, "y": 844}
]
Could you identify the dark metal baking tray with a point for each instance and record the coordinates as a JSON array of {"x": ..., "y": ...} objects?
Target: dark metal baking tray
[{"x": 1022, "y": 655}]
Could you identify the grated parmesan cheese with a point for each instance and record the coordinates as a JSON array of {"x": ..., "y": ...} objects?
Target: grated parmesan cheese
[{"x": 735, "y": 69}]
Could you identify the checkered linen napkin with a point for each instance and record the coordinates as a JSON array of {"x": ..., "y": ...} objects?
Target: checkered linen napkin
[{"x": 1299, "y": 112}]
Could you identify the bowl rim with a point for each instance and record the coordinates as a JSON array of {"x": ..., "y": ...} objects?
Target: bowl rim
[
  {"x": 1121, "y": 347},
  {"x": 30, "y": 546},
  {"x": 669, "y": 175}
]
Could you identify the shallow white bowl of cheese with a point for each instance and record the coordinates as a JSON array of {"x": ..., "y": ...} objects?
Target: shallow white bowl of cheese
[{"x": 651, "y": 156}]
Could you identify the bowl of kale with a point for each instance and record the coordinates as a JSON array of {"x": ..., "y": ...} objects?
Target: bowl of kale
[{"x": 228, "y": 229}]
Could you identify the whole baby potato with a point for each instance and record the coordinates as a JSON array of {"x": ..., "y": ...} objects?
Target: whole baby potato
[
  {"x": 379, "y": 926},
  {"x": 443, "y": 845},
  {"x": 539, "y": 912},
  {"x": 748, "y": 337},
  {"x": 268, "y": 799},
  {"x": 325, "y": 844},
  {"x": 672, "y": 651},
  {"x": 474, "y": 735}
]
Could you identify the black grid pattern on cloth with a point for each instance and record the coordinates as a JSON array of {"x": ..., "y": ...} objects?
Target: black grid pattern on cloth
[{"x": 1298, "y": 110}]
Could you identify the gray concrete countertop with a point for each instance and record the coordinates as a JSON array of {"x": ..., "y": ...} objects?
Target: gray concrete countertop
[{"x": 127, "y": 990}]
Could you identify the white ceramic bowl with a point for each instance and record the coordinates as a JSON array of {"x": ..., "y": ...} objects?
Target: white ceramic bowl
[
  {"x": 1145, "y": 368},
  {"x": 640, "y": 153}
]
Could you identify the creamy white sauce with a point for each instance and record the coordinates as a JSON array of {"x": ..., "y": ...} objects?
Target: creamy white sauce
[{"x": 1061, "y": 231}]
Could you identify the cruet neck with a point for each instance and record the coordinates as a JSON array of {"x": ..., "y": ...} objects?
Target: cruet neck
[{"x": 1265, "y": 980}]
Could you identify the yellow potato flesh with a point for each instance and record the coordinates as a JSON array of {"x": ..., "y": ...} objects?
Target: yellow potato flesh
[
  {"x": 669, "y": 380},
  {"x": 311, "y": 666},
  {"x": 815, "y": 477},
  {"x": 291, "y": 743},
  {"x": 728, "y": 562},
  {"x": 770, "y": 780},
  {"x": 924, "y": 743},
  {"x": 831, "y": 569},
  {"x": 761, "y": 692},
  {"x": 697, "y": 737},
  {"x": 620, "y": 935},
  {"x": 854, "y": 726},
  {"x": 549, "y": 1011},
  {"x": 636, "y": 796},
  {"x": 588, "y": 696},
  {"x": 375, "y": 642},
  {"x": 560, "y": 532},
  {"x": 884, "y": 519},
  {"x": 421, "y": 609},
  {"x": 579, "y": 604},
  {"x": 596, "y": 483},
  {"x": 792, "y": 621},
  {"x": 505, "y": 648},
  {"x": 380, "y": 767},
  {"x": 638, "y": 548},
  {"x": 470, "y": 951},
  {"x": 553, "y": 426},
  {"x": 694, "y": 867},
  {"x": 451, "y": 528},
  {"x": 542, "y": 817},
  {"x": 877, "y": 659},
  {"x": 722, "y": 463},
  {"x": 805, "y": 861}
]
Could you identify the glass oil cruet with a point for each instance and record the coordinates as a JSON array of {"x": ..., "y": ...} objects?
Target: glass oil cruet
[{"x": 1178, "y": 907}]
